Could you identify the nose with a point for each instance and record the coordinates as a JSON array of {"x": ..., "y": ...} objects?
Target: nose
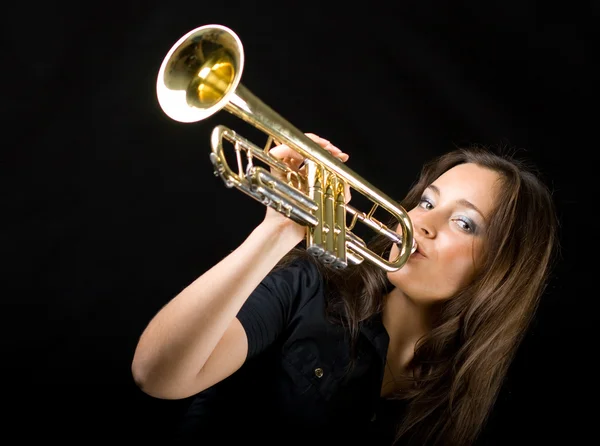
[
  {"x": 425, "y": 225},
  {"x": 425, "y": 232}
]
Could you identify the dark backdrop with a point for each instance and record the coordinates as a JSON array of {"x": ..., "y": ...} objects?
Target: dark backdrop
[{"x": 110, "y": 208}]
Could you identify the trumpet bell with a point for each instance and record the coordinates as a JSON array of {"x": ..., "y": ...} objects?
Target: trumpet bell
[{"x": 200, "y": 73}]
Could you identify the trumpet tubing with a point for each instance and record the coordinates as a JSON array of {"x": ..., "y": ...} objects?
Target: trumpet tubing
[{"x": 199, "y": 76}]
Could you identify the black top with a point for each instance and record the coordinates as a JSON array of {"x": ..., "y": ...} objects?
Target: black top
[{"x": 295, "y": 386}]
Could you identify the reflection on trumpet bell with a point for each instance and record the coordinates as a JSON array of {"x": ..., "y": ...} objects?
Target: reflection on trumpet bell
[
  {"x": 200, "y": 76},
  {"x": 212, "y": 81},
  {"x": 199, "y": 73}
]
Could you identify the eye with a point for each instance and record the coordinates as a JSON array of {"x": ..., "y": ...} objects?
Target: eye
[
  {"x": 425, "y": 203},
  {"x": 465, "y": 224}
]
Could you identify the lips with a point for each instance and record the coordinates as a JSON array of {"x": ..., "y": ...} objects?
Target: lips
[{"x": 420, "y": 250}]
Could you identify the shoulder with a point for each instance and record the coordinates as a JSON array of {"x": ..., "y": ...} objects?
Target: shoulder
[
  {"x": 300, "y": 272},
  {"x": 289, "y": 287},
  {"x": 293, "y": 291}
]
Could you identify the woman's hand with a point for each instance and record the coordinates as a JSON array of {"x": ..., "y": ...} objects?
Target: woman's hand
[{"x": 294, "y": 160}]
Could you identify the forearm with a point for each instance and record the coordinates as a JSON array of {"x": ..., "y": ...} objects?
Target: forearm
[{"x": 181, "y": 337}]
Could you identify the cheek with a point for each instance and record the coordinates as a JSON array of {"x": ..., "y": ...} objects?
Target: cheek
[
  {"x": 453, "y": 269},
  {"x": 458, "y": 251},
  {"x": 463, "y": 258},
  {"x": 438, "y": 278}
]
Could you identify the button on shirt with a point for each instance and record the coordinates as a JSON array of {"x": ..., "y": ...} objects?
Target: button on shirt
[{"x": 296, "y": 380}]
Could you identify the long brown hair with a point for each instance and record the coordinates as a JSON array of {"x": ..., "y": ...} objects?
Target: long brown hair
[{"x": 460, "y": 365}]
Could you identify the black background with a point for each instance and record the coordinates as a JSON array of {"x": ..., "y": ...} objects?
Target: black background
[{"x": 110, "y": 208}]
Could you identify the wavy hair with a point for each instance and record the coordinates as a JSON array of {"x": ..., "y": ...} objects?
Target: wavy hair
[{"x": 460, "y": 365}]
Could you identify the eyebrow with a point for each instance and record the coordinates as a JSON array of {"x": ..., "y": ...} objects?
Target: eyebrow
[{"x": 462, "y": 201}]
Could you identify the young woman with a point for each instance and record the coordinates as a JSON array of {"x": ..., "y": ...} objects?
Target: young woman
[{"x": 275, "y": 347}]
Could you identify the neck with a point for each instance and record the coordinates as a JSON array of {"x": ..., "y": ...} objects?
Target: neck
[{"x": 406, "y": 322}]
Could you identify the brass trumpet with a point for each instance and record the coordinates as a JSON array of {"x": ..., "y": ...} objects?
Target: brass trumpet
[{"x": 199, "y": 76}]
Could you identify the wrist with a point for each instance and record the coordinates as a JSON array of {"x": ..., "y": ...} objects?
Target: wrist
[{"x": 282, "y": 233}]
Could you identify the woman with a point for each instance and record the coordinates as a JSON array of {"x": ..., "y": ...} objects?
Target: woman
[{"x": 269, "y": 340}]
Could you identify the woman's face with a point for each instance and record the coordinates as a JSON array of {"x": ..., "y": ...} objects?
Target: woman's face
[{"x": 450, "y": 225}]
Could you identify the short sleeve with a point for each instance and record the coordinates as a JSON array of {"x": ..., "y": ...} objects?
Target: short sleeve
[{"x": 276, "y": 301}]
